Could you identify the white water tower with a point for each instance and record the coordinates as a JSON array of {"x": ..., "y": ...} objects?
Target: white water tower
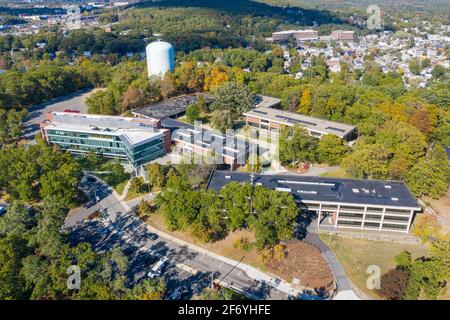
[{"x": 160, "y": 58}]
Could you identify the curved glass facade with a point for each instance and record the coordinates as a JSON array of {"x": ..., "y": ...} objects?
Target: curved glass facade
[{"x": 110, "y": 146}]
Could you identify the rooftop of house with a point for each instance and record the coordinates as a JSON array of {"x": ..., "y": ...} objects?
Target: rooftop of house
[
  {"x": 291, "y": 118},
  {"x": 322, "y": 189}
]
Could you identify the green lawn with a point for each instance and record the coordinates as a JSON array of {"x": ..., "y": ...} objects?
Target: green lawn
[
  {"x": 339, "y": 173},
  {"x": 120, "y": 187},
  {"x": 356, "y": 255},
  {"x": 132, "y": 194}
]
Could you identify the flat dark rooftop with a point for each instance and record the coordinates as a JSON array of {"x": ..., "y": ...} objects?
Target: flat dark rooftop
[
  {"x": 171, "y": 107},
  {"x": 235, "y": 147},
  {"x": 309, "y": 188}
]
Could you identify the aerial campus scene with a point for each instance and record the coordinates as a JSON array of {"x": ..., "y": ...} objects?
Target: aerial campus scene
[{"x": 239, "y": 150}]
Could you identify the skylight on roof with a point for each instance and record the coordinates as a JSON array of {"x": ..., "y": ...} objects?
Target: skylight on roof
[
  {"x": 307, "y": 183},
  {"x": 394, "y": 199},
  {"x": 289, "y": 119},
  {"x": 355, "y": 190},
  {"x": 307, "y": 191},
  {"x": 283, "y": 189},
  {"x": 388, "y": 187},
  {"x": 259, "y": 111},
  {"x": 335, "y": 129}
]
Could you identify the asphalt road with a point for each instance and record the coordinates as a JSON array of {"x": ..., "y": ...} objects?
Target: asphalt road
[{"x": 187, "y": 267}]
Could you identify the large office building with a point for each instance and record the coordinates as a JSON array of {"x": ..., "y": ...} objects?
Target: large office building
[
  {"x": 373, "y": 205},
  {"x": 130, "y": 140},
  {"x": 222, "y": 149},
  {"x": 300, "y": 35},
  {"x": 340, "y": 35},
  {"x": 273, "y": 119}
]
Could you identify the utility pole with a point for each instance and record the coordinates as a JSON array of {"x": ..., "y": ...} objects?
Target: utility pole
[
  {"x": 234, "y": 267},
  {"x": 252, "y": 180},
  {"x": 96, "y": 200}
]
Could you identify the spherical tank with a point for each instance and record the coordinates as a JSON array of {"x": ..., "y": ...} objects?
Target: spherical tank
[{"x": 160, "y": 58}]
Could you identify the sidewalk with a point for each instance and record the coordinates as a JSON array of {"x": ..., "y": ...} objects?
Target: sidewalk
[{"x": 119, "y": 198}]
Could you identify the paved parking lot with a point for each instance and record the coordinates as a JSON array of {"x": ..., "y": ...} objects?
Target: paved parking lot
[{"x": 74, "y": 101}]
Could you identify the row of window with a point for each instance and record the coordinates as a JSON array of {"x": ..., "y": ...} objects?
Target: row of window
[
  {"x": 82, "y": 135},
  {"x": 149, "y": 158},
  {"x": 333, "y": 208},
  {"x": 360, "y": 216},
  {"x": 372, "y": 225},
  {"x": 89, "y": 142},
  {"x": 100, "y": 150}
]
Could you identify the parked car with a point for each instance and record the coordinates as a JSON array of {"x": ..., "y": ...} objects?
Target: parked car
[
  {"x": 157, "y": 268},
  {"x": 2, "y": 209},
  {"x": 153, "y": 236},
  {"x": 184, "y": 290},
  {"x": 178, "y": 293}
]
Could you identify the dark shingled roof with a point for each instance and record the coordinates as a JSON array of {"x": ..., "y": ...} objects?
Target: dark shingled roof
[{"x": 309, "y": 188}]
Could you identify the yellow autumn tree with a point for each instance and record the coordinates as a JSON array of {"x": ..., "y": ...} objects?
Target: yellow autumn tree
[
  {"x": 216, "y": 77},
  {"x": 238, "y": 74},
  {"x": 305, "y": 102},
  {"x": 395, "y": 111}
]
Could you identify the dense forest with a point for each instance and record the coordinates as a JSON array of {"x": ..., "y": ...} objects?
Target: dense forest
[
  {"x": 221, "y": 50},
  {"x": 34, "y": 251}
]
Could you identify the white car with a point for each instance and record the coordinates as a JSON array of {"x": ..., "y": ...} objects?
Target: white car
[{"x": 157, "y": 268}]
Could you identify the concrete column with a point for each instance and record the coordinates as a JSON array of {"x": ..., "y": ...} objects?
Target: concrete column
[
  {"x": 318, "y": 218},
  {"x": 337, "y": 216},
  {"x": 364, "y": 218},
  {"x": 410, "y": 221},
  {"x": 382, "y": 219}
]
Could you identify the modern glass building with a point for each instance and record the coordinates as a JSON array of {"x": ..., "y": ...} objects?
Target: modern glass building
[{"x": 130, "y": 140}]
